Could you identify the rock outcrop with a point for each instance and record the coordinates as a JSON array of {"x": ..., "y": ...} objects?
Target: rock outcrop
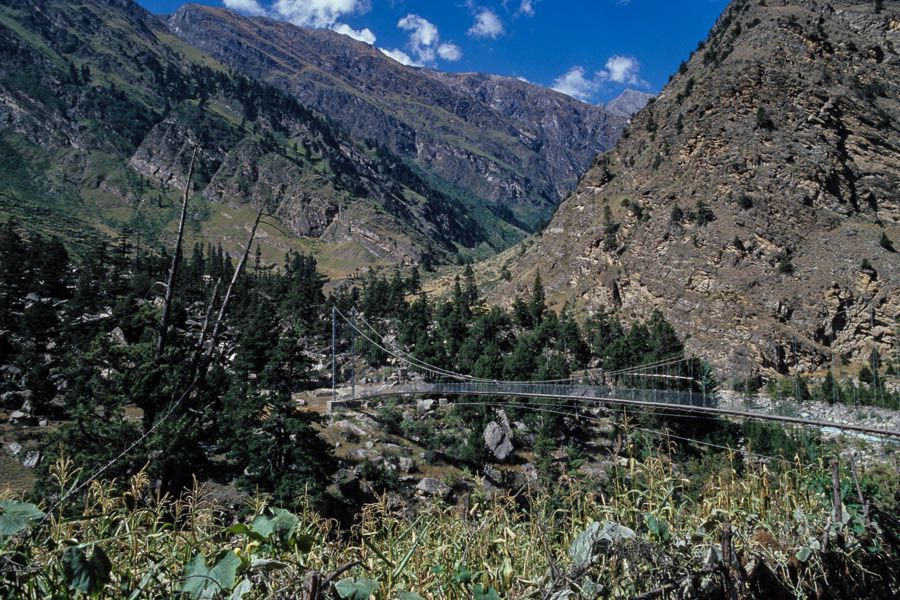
[{"x": 750, "y": 202}]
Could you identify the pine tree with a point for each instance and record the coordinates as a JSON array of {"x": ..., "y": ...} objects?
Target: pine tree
[
  {"x": 281, "y": 452},
  {"x": 537, "y": 305}
]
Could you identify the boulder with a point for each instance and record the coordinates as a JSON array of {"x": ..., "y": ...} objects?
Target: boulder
[
  {"x": 530, "y": 472},
  {"x": 20, "y": 418},
  {"x": 498, "y": 437},
  {"x": 12, "y": 448},
  {"x": 350, "y": 427},
  {"x": 435, "y": 488},
  {"x": 424, "y": 406},
  {"x": 117, "y": 337},
  {"x": 405, "y": 465},
  {"x": 31, "y": 459},
  {"x": 13, "y": 400}
]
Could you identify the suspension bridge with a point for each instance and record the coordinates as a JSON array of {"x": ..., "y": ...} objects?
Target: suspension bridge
[{"x": 669, "y": 385}]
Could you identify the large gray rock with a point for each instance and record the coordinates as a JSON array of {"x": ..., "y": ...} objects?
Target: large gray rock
[
  {"x": 117, "y": 337},
  {"x": 498, "y": 437},
  {"x": 20, "y": 418},
  {"x": 12, "y": 448},
  {"x": 31, "y": 459},
  {"x": 434, "y": 488}
]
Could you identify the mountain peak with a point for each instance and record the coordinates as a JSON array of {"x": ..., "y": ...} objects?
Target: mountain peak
[{"x": 629, "y": 102}]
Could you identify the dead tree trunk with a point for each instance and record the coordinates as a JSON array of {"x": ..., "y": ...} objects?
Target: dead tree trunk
[{"x": 173, "y": 270}]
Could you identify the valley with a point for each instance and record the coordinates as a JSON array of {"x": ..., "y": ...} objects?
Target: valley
[{"x": 281, "y": 316}]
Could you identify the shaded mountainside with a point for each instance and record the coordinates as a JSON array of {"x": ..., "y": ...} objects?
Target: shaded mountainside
[
  {"x": 516, "y": 145},
  {"x": 756, "y": 202},
  {"x": 100, "y": 108}
]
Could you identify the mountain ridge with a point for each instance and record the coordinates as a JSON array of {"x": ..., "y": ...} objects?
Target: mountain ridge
[
  {"x": 102, "y": 105},
  {"x": 439, "y": 120},
  {"x": 754, "y": 202}
]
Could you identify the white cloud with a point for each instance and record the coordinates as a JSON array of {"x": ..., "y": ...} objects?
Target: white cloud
[
  {"x": 449, "y": 52},
  {"x": 422, "y": 38},
  {"x": 575, "y": 84},
  {"x": 527, "y": 7},
  {"x": 401, "y": 57},
  {"x": 487, "y": 24},
  {"x": 623, "y": 69},
  {"x": 316, "y": 13},
  {"x": 362, "y": 35},
  {"x": 251, "y": 7},
  {"x": 619, "y": 69},
  {"x": 424, "y": 43}
]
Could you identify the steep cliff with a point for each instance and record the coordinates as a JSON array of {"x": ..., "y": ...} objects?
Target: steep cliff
[{"x": 757, "y": 200}]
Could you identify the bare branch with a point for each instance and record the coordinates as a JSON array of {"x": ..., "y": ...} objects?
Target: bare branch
[
  {"x": 173, "y": 271},
  {"x": 234, "y": 278}
]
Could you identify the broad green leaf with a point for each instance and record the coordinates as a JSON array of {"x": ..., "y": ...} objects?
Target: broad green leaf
[
  {"x": 242, "y": 588},
  {"x": 803, "y": 554},
  {"x": 85, "y": 574},
  {"x": 593, "y": 540},
  {"x": 279, "y": 526},
  {"x": 16, "y": 516},
  {"x": 582, "y": 549},
  {"x": 353, "y": 588},
  {"x": 241, "y": 529},
  {"x": 657, "y": 527},
  {"x": 304, "y": 542},
  {"x": 462, "y": 575},
  {"x": 201, "y": 581},
  {"x": 263, "y": 564},
  {"x": 479, "y": 592}
]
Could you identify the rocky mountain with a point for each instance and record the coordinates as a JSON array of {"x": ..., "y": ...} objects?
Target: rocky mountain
[
  {"x": 629, "y": 102},
  {"x": 756, "y": 202},
  {"x": 101, "y": 107},
  {"x": 514, "y": 145}
]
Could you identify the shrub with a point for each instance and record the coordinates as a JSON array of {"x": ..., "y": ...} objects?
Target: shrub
[
  {"x": 381, "y": 479},
  {"x": 704, "y": 214},
  {"x": 391, "y": 418},
  {"x": 763, "y": 120},
  {"x": 745, "y": 202},
  {"x": 785, "y": 266},
  {"x": 886, "y": 243}
]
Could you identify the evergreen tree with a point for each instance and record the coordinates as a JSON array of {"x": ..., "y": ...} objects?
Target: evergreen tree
[
  {"x": 280, "y": 451},
  {"x": 537, "y": 305}
]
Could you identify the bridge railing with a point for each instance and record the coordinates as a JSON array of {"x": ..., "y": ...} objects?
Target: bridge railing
[{"x": 550, "y": 390}]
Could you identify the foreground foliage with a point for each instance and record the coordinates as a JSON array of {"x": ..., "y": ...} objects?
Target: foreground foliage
[{"x": 752, "y": 532}]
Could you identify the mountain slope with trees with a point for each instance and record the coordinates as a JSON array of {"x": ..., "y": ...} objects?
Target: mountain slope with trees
[
  {"x": 101, "y": 108},
  {"x": 755, "y": 201}
]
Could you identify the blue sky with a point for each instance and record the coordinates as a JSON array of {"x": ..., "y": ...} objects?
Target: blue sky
[{"x": 590, "y": 49}]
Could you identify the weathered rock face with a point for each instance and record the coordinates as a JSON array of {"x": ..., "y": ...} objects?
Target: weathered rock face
[
  {"x": 629, "y": 102},
  {"x": 743, "y": 201},
  {"x": 519, "y": 146}
]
